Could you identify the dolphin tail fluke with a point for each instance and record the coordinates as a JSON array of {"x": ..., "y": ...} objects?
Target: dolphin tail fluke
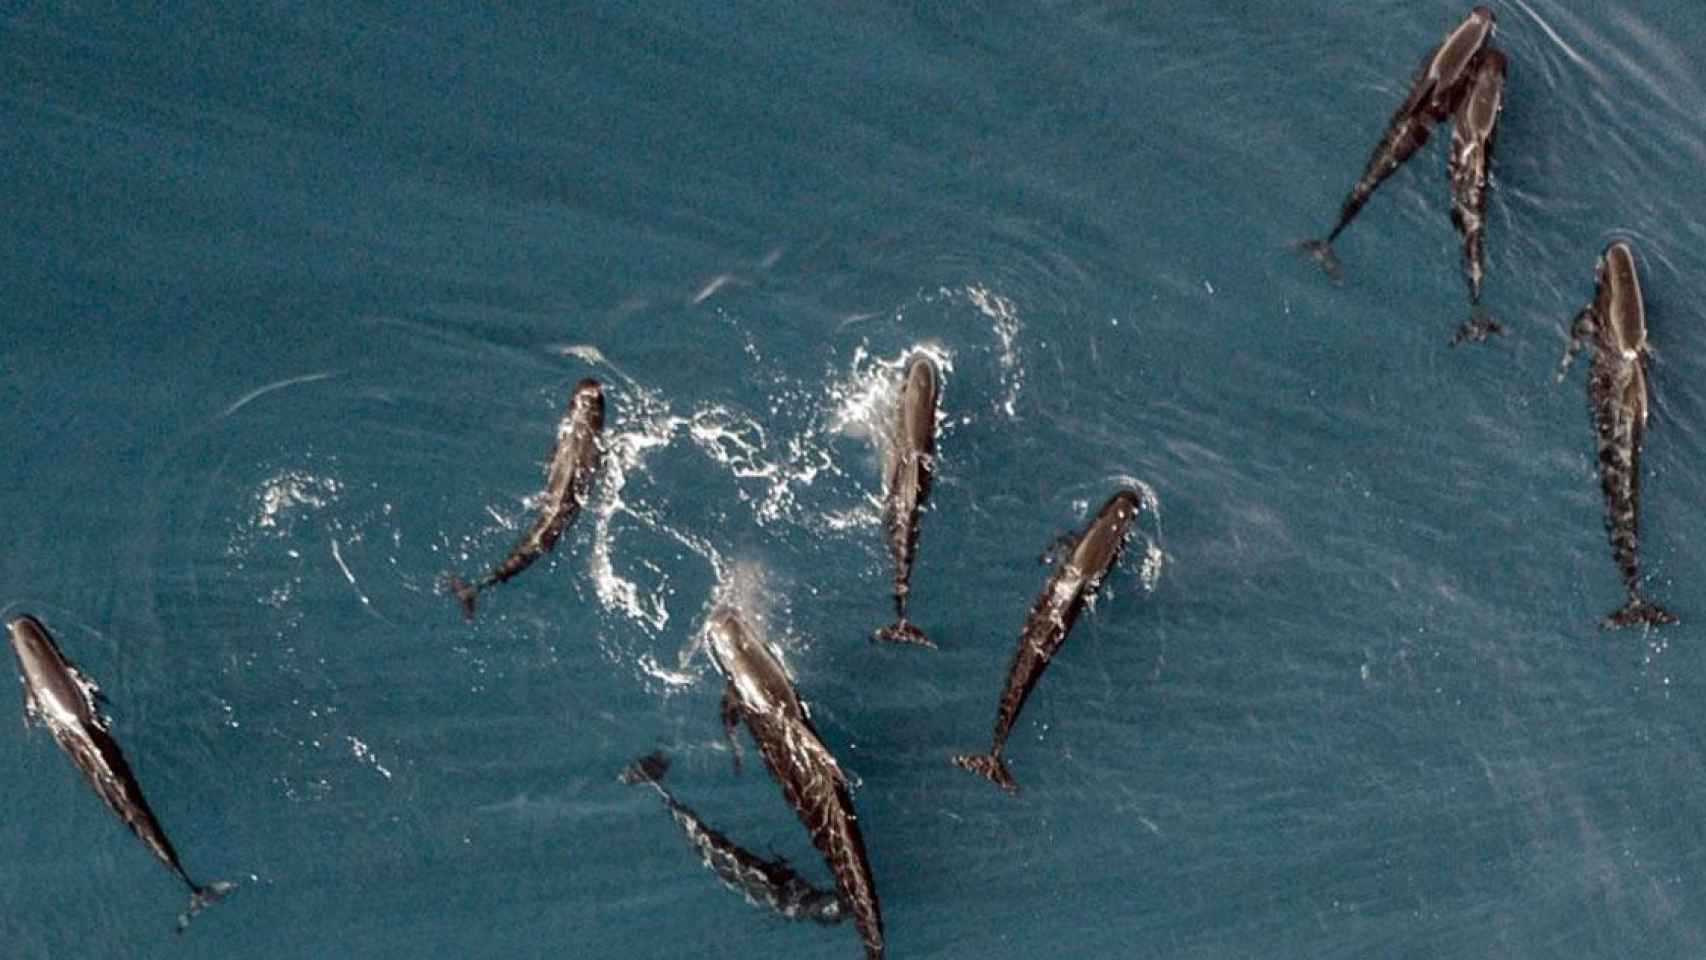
[
  {"x": 1638, "y": 611},
  {"x": 648, "y": 769},
  {"x": 463, "y": 591},
  {"x": 1322, "y": 252},
  {"x": 1478, "y": 327},
  {"x": 201, "y": 898},
  {"x": 991, "y": 766},
  {"x": 903, "y": 631}
]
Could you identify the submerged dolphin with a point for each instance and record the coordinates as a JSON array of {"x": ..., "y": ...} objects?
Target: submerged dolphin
[
  {"x": 762, "y": 882},
  {"x": 1615, "y": 323},
  {"x": 1474, "y": 128},
  {"x": 1075, "y": 580},
  {"x": 59, "y": 697},
  {"x": 910, "y": 462},
  {"x": 568, "y": 481},
  {"x": 758, "y": 690},
  {"x": 1434, "y": 92}
]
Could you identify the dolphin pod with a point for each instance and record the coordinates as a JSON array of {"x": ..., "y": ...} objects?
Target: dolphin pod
[
  {"x": 758, "y": 690},
  {"x": 1434, "y": 92},
  {"x": 1462, "y": 78}
]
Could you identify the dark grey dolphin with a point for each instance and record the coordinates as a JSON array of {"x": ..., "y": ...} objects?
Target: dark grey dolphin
[
  {"x": 910, "y": 462},
  {"x": 1615, "y": 323},
  {"x": 1434, "y": 92},
  {"x": 764, "y": 883},
  {"x": 568, "y": 481},
  {"x": 1474, "y": 128},
  {"x": 1076, "y": 578},
  {"x": 759, "y": 691},
  {"x": 58, "y": 696}
]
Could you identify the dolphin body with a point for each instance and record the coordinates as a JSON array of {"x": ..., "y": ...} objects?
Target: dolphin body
[
  {"x": 1073, "y": 583},
  {"x": 1615, "y": 323},
  {"x": 58, "y": 696},
  {"x": 568, "y": 481},
  {"x": 759, "y": 691},
  {"x": 909, "y": 464},
  {"x": 762, "y": 882},
  {"x": 1473, "y": 130},
  {"x": 1434, "y": 92}
]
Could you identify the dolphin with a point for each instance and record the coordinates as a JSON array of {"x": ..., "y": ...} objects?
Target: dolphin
[
  {"x": 568, "y": 482},
  {"x": 762, "y": 882},
  {"x": 1473, "y": 130},
  {"x": 1075, "y": 580},
  {"x": 909, "y": 463},
  {"x": 759, "y": 691},
  {"x": 1615, "y": 323},
  {"x": 58, "y": 696},
  {"x": 1434, "y": 92}
]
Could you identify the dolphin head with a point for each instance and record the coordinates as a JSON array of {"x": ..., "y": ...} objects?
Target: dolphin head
[
  {"x": 747, "y": 663},
  {"x": 1620, "y": 285},
  {"x": 921, "y": 375},
  {"x": 918, "y": 410},
  {"x": 588, "y": 402},
  {"x": 52, "y": 686},
  {"x": 1101, "y": 543},
  {"x": 1486, "y": 91},
  {"x": 1455, "y": 56},
  {"x": 722, "y": 639}
]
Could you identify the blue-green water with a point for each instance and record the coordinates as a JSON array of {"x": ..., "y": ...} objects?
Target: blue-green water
[{"x": 292, "y": 298}]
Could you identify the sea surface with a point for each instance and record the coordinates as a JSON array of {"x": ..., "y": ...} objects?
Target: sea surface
[{"x": 292, "y": 297}]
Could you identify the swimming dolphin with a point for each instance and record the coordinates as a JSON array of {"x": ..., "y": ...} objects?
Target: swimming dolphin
[
  {"x": 764, "y": 883},
  {"x": 1076, "y": 578},
  {"x": 568, "y": 481},
  {"x": 1434, "y": 92},
  {"x": 910, "y": 462},
  {"x": 1473, "y": 130},
  {"x": 1615, "y": 323},
  {"x": 759, "y": 691},
  {"x": 57, "y": 695}
]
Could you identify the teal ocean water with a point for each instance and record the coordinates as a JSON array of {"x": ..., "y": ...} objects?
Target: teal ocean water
[{"x": 294, "y": 294}]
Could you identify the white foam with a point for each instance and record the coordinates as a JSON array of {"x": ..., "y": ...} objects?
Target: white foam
[{"x": 1007, "y": 326}]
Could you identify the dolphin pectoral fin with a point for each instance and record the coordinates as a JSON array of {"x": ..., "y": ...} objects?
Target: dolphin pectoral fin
[
  {"x": 1059, "y": 547},
  {"x": 32, "y": 709},
  {"x": 201, "y": 898},
  {"x": 990, "y": 766},
  {"x": 903, "y": 631},
  {"x": 1322, "y": 252},
  {"x": 1581, "y": 329},
  {"x": 731, "y": 720},
  {"x": 1640, "y": 611}
]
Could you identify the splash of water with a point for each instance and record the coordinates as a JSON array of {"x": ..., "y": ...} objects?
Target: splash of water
[
  {"x": 1007, "y": 326},
  {"x": 1154, "y": 557}
]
